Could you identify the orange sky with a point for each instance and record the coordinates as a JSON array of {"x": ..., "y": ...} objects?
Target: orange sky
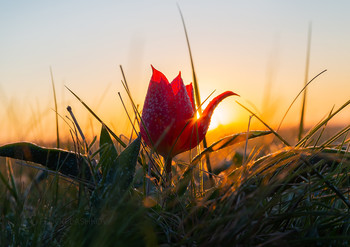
[{"x": 256, "y": 49}]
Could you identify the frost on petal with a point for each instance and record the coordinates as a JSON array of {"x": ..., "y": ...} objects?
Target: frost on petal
[
  {"x": 158, "y": 112},
  {"x": 182, "y": 102},
  {"x": 189, "y": 89},
  {"x": 182, "y": 106}
]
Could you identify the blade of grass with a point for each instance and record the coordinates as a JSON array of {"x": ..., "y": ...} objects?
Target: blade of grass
[
  {"x": 196, "y": 90},
  {"x": 267, "y": 126},
  {"x": 228, "y": 141},
  {"x": 327, "y": 182},
  {"x": 139, "y": 120},
  {"x": 290, "y": 106},
  {"x": 317, "y": 127},
  {"x": 98, "y": 119},
  {"x": 55, "y": 101},
  {"x": 323, "y": 129},
  {"x": 301, "y": 124}
]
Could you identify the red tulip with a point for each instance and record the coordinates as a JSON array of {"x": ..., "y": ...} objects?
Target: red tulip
[{"x": 169, "y": 123}]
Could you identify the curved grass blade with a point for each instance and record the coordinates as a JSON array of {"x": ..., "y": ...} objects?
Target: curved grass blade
[
  {"x": 267, "y": 126},
  {"x": 302, "y": 90},
  {"x": 65, "y": 162},
  {"x": 98, "y": 119},
  {"x": 196, "y": 92},
  {"x": 230, "y": 140},
  {"x": 303, "y": 106},
  {"x": 317, "y": 127}
]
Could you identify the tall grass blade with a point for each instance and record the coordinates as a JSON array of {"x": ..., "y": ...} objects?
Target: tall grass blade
[
  {"x": 302, "y": 90},
  {"x": 302, "y": 116},
  {"x": 267, "y": 126},
  {"x": 196, "y": 90},
  {"x": 55, "y": 101},
  {"x": 98, "y": 119},
  {"x": 322, "y": 123}
]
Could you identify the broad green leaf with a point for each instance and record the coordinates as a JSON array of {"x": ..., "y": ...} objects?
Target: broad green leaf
[
  {"x": 117, "y": 176},
  {"x": 65, "y": 162},
  {"x": 105, "y": 138},
  {"x": 228, "y": 141},
  {"x": 121, "y": 174},
  {"x": 108, "y": 152}
]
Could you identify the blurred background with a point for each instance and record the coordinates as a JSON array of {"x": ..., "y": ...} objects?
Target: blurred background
[{"x": 254, "y": 48}]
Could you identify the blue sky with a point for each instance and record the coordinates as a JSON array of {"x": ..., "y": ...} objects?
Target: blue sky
[{"x": 241, "y": 46}]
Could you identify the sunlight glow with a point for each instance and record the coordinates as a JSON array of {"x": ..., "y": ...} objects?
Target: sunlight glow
[{"x": 221, "y": 116}]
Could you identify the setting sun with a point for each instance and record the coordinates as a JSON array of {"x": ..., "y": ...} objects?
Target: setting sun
[{"x": 221, "y": 116}]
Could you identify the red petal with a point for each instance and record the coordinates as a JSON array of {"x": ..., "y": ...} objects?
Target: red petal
[
  {"x": 182, "y": 102},
  {"x": 195, "y": 131},
  {"x": 208, "y": 111},
  {"x": 158, "y": 113},
  {"x": 189, "y": 89},
  {"x": 158, "y": 76},
  {"x": 182, "y": 106}
]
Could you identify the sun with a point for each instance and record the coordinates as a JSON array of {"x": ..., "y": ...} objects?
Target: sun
[{"x": 221, "y": 116}]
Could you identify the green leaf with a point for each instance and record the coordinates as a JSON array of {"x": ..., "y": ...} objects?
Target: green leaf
[
  {"x": 105, "y": 139},
  {"x": 122, "y": 173},
  {"x": 108, "y": 152},
  {"x": 228, "y": 141},
  {"x": 65, "y": 162}
]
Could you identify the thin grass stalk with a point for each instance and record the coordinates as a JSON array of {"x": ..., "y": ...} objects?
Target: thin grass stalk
[
  {"x": 98, "y": 119},
  {"x": 322, "y": 123},
  {"x": 55, "y": 101},
  {"x": 133, "y": 124},
  {"x": 139, "y": 120},
  {"x": 323, "y": 129},
  {"x": 135, "y": 108},
  {"x": 336, "y": 136},
  {"x": 147, "y": 186},
  {"x": 91, "y": 164},
  {"x": 327, "y": 182},
  {"x": 246, "y": 142},
  {"x": 44, "y": 174},
  {"x": 302, "y": 116},
  {"x": 302, "y": 90},
  {"x": 274, "y": 132},
  {"x": 197, "y": 95}
]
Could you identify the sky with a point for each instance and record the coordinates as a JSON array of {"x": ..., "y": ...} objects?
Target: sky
[{"x": 254, "y": 48}]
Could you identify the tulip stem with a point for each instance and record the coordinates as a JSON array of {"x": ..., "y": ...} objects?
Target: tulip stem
[{"x": 168, "y": 177}]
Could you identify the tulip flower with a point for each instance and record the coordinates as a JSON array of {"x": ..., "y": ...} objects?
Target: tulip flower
[{"x": 169, "y": 122}]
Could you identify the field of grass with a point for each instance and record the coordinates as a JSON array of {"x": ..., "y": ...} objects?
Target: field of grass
[
  {"x": 296, "y": 195},
  {"x": 259, "y": 188}
]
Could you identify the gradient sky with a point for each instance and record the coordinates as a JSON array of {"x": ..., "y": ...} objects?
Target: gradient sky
[{"x": 254, "y": 48}]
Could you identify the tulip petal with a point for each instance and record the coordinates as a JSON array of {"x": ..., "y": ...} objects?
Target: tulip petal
[
  {"x": 189, "y": 89},
  {"x": 158, "y": 111},
  {"x": 196, "y": 129},
  {"x": 168, "y": 121},
  {"x": 208, "y": 111},
  {"x": 182, "y": 102}
]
